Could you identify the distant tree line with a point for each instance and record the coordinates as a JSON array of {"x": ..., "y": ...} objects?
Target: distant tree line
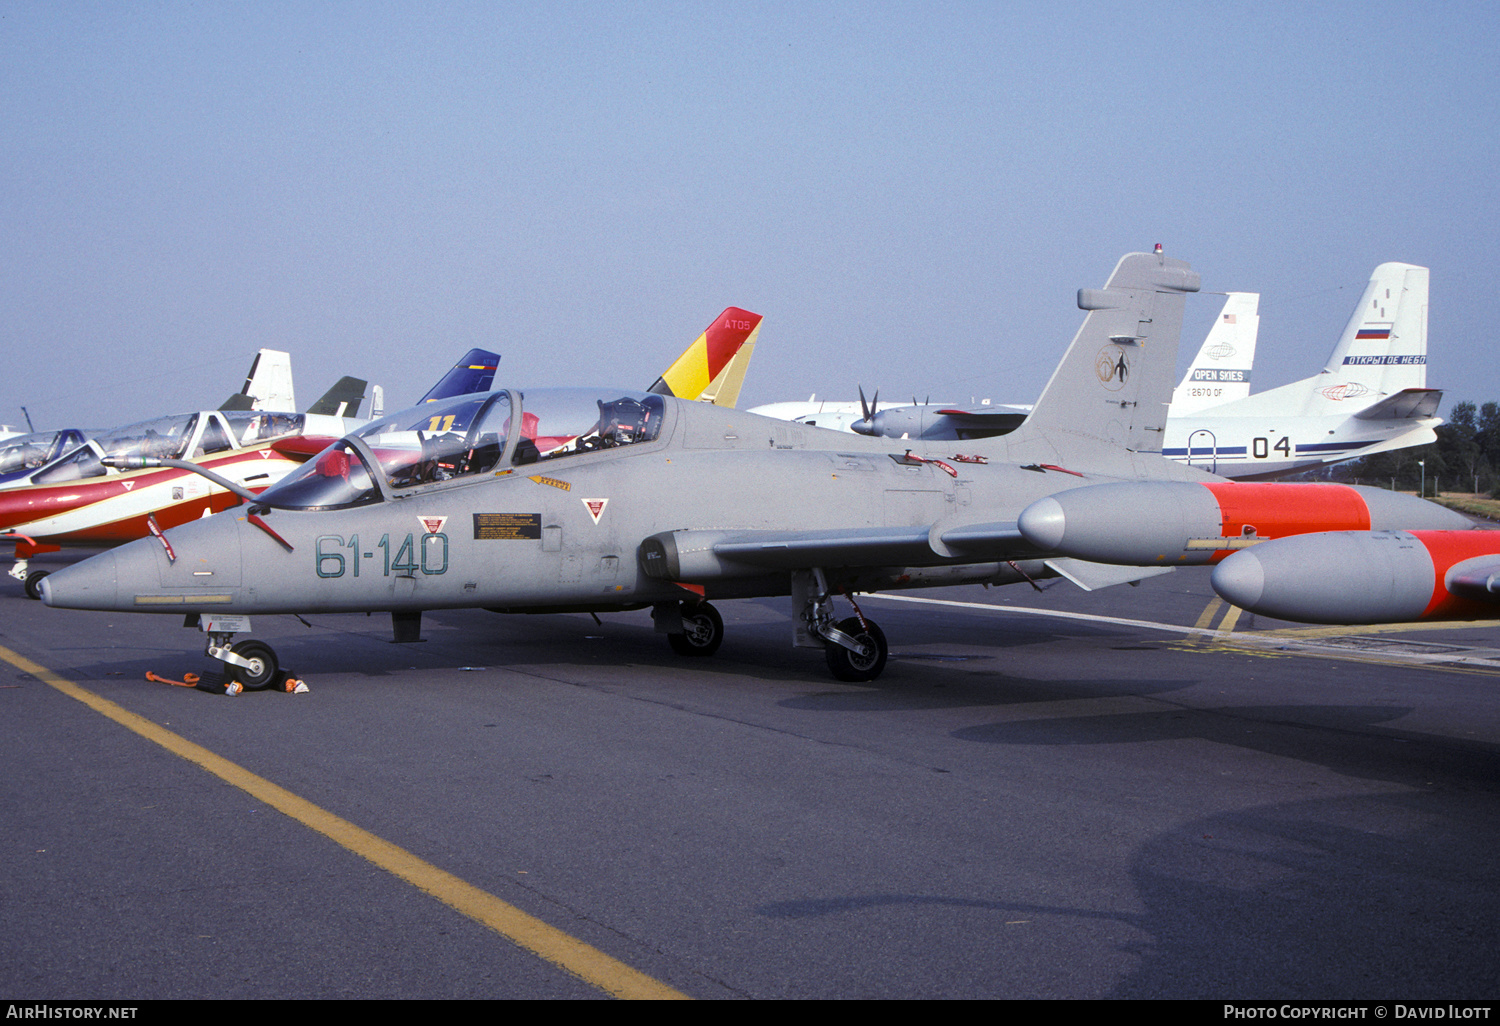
[{"x": 1465, "y": 458}]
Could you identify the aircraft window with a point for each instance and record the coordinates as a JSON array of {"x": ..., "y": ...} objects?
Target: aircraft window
[
  {"x": 81, "y": 464},
  {"x": 336, "y": 478},
  {"x": 252, "y": 427},
  {"x": 164, "y": 437},
  {"x": 214, "y": 439},
  {"x": 566, "y": 422},
  {"x": 26, "y": 453}
]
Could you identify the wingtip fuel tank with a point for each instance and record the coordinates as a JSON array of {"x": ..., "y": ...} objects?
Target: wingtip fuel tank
[
  {"x": 1170, "y": 523},
  {"x": 1358, "y": 577}
]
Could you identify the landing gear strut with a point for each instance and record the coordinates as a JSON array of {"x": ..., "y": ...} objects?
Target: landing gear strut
[
  {"x": 31, "y": 579},
  {"x": 855, "y": 648},
  {"x": 252, "y": 663}
]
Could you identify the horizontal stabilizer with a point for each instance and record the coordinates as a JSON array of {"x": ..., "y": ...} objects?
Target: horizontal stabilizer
[
  {"x": 238, "y": 401},
  {"x": 1407, "y": 404}
]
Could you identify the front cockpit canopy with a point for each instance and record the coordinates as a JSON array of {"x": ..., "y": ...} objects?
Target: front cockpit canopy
[{"x": 465, "y": 437}]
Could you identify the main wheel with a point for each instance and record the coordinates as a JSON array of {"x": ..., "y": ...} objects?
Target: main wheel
[
  {"x": 263, "y": 665},
  {"x": 703, "y": 630},
  {"x": 34, "y": 583},
  {"x": 851, "y": 666}
]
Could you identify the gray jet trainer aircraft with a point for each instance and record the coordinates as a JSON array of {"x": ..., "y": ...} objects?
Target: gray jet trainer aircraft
[{"x": 541, "y": 500}]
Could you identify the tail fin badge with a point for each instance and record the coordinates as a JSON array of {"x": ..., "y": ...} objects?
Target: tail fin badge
[{"x": 1112, "y": 367}]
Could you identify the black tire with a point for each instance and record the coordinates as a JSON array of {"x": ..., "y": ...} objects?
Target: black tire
[
  {"x": 33, "y": 584},
  {"x": 703, "y": 631},
  {"x": 262, "y": 671},
  {"x": 851, "y": 666}
]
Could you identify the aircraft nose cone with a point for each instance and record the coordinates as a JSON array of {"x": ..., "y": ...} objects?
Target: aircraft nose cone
[
  {"x": 1240, "y": 579},
  {"x": 91, "y": 584},
  {"x": 1044, "y": 523}
]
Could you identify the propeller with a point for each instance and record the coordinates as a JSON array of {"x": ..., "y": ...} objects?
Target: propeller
[{"x": 866, "y": 426}]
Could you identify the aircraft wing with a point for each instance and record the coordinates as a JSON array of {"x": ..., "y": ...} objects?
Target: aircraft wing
[
  {"x": 870, "y": 546},
  {"x": 698, "y": 557},
  {"x": 1407, "y": 404},
  {"x": 693, "y": 554}
]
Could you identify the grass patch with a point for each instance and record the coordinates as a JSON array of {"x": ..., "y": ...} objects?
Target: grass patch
[{"x": 1473, "y": 505}]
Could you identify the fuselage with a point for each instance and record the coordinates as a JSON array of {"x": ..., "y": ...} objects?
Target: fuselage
[{"x": 566, "y": 531}]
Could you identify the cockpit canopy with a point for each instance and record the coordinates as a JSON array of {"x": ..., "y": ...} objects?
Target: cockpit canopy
[
  {"x": 186, "y": 436},
  {"x": 24, "y": 453},
  {"x": 464, "y": 437}
]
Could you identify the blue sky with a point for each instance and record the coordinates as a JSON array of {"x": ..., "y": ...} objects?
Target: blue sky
[{"x": 911, "y": 194}]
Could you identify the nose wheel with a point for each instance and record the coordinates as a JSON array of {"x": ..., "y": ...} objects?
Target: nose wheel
[
  {"x": 252, "y": 663},
  {"x": 257, "y": 665}
]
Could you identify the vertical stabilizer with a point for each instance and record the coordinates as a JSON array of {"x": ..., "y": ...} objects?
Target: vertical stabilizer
[
  {"x": 1384, "y": 346},
  {"x": 724, "y": 390},
  {"x": 475, "y": 372},
  {"x": 1115, "y": 381},
  {"x": 700, "y": 366},
  {"x": 268, "y": 386},
  {"x": 1220, "y": 373}
]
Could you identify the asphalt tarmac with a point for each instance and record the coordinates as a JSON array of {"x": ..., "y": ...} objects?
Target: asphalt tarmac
[{"x": 1128, "y": 793}]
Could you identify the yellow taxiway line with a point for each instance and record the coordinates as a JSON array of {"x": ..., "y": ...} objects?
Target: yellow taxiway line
[{"x": 573, "y": 956}]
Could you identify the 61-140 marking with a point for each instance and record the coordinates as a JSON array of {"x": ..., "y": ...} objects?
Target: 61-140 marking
[{"x": 330, "y": 562}]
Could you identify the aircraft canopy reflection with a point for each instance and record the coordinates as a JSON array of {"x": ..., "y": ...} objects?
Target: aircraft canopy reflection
[{"x": 462, "y": 438}]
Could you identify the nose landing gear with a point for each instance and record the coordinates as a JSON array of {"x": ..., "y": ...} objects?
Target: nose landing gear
[{"x": 252, "y": 663}]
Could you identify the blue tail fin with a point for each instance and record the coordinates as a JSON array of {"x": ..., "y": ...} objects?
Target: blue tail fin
[{"x": 474, "y": 373}]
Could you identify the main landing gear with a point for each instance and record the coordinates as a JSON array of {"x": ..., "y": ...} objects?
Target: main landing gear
[
  {"x": 32, "y": 579},
  {"x": 702, "y": 630},
  {"x": 692, "y": 628},
  {"x": 855, "y": 647}
]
